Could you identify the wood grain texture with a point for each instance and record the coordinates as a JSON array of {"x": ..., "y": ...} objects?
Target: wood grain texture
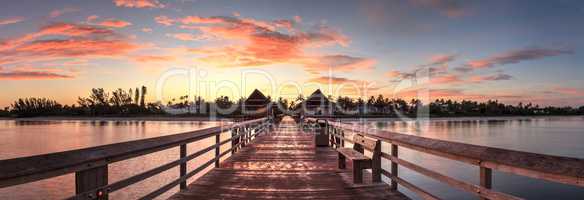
[{"x": 284, "y": 164}]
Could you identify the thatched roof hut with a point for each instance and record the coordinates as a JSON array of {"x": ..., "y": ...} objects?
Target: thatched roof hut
[
  {"x": 317, "y": 104},
  {"x": 256, "y": 103}
]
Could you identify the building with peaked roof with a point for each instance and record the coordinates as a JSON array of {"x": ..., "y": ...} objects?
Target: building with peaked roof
[
  {"x": 256, "y": 104},
  {"x": 317, "y": 104}
]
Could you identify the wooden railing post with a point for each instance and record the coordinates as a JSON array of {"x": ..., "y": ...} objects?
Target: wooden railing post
[
  {"x": 217, "y": 149},
  {"x": 242, "y": 136},
  {"x": 234, "y": 142},
  {"x": 343, "y": 138},
  {"x": 486, "y": 178},
  {"x": 394, "y": 172},
  {"x": 183, "y": 166},
  {"x": 376, "y": 163},
  {"x": 91, "y": 179}
]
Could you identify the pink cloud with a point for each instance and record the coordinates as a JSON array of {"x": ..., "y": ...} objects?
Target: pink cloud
[
  {"x": 569, "y": 91},
  {"x": 164, "y": 20},
  {"x": 340, "y": 63},
  {"x": 114, "y": 23},
  {"x": 139, "y": 3},
  {"x": 59, "y": 12},
  {"x": 446, "y": 79},
  {"x": 265, "y": 42},
  {"x": 21, "y": 74},
  {"x": 513, "y": 57},
  {"x": 333, "y": 80},
  {"x": 65, "y": 40},
  {"x": 298, "y": 19},
  {"x": 185, "y": 36},
  {"x": 441, "y": 59},
  {"x": 497, "y": 77},
  {"x": 11, "y": 20}
]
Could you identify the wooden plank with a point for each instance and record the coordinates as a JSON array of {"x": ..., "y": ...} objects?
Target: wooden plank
[
  {"x": 283, "y": 165},
  {"x": 172, "y": 184},
  {"x": 351, "y": 154}
]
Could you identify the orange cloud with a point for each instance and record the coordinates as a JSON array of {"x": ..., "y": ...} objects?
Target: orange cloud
[
  {"x": 29, "y": 74},
  {"x": 393, "y": 74},
  {"x": 11, "y": 20},
  {"x": 139, "y": 3},
  {"x": 58, "y": 41},
  {"x": 115, "y": 23},
  {"x": 148, "y": 59},
  {"x": 433, "y": 93},
  {"x": 164, "y": 20},
  {"x": 146, "y": 30},
  {"x": 77, "y": 48},
  {"x": 264, "y": 42},
  {"x": 332, "y": 80},
  {"x": 446, "y": 79}
]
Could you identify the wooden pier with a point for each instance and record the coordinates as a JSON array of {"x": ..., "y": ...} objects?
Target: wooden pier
[
  {"x": 284, "y": 164},
  {"x": 271, "y": 160}
]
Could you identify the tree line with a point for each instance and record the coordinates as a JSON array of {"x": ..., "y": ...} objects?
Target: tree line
[
  {"x": 381, "y": 105},
  {"x": 132, "y": 102},
  {"x": 99, "y": 103}
]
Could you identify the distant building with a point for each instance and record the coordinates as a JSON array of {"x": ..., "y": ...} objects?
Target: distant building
[
  {"x": 317, "y": 104},
  {"x": 256, "y": 104}
]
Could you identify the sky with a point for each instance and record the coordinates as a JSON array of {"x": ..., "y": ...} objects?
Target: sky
[{"x": 510, "y": 50}]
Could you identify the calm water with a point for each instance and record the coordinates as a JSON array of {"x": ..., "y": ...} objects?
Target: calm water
[
  {"x": 27, "y": 138},
  {"x": 563, "y": 136}
]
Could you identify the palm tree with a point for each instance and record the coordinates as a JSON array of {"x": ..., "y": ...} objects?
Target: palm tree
[
  {"x": 136, "y": 96},
  {"x": 143, "y": 95}
]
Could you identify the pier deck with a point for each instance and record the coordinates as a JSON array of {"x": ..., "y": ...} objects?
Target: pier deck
[{"x": 284, "y": 164}]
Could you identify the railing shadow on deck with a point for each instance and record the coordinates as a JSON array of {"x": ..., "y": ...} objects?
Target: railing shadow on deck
[
  {"x": 557, "y": 169},
  {"x": 90, "y": 165}
]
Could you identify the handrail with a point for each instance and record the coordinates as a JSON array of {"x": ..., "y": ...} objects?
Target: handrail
[
  {"x": 85, "y": 162},
  {"x": 558, "y": 169}
]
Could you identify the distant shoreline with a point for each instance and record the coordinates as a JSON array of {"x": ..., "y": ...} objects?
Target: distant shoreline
[{"x": 202, "y": 118}]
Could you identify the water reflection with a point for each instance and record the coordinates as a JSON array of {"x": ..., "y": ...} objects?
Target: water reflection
[
  {"x": 562, "y": 136},
  {"x": 20, "y": 138}
]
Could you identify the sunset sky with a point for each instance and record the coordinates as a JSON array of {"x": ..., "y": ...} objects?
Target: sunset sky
[{"x": 529, "y": 51}]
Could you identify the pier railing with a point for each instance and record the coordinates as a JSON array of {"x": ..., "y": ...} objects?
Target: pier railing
[
  {"x": 90, "y": 165},
  {"x": 539, "y": 166}
]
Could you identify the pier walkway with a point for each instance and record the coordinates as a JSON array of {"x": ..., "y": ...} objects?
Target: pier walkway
[
  {"x": 271, "y": 160},
  {"x": 284, "y": 164}
]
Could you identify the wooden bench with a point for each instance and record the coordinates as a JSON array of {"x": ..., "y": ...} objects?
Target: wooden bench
[{"x": 360, "y": 161}]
